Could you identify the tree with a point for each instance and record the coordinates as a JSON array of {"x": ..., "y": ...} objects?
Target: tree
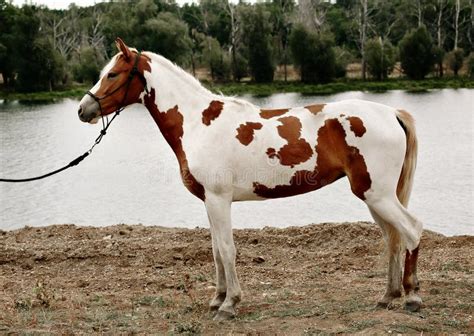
[
  {"x": 470, "y": 65},
  {"x": 416, "y": 53},
  {"x": 313, "y": 54},
  {"x": 168, "y": 35},
  {"x": 281, "y": 11},
  {"x": 8, "y": 58},
  {"x": 438, "y": 56},
  {"x": 257, "y": 40},
  {"x": 219, "y": 62},
  {"x": 381, "y": 57},
  {"x": 88, "y": 65},
  {"x": 455, "y": 60}
]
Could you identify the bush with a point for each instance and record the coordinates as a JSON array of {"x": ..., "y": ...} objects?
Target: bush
[
  {"x": 219, "y": 61},
  {"x": 470, "y": 65},
  {"x": 455, "y": 60},
  {"x": 44, "y": 70},
  {"x": 257, "y": 32},
  {"x": 380, "y": 58},
  {"x": 313, "y": 55},
  {"x": 416, "y": 53},
  {"x": 343, "y": 59},
  {"x": 88, "y": 66},
  {"x": 240, "y": 67},
  {"x": 438, "y": 55}
]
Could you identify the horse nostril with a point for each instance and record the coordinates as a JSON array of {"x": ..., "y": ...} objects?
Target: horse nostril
[{"x": 80, "y": 110}]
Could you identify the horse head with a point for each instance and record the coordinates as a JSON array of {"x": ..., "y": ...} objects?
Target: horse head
[{"x": 121, "y": 83}]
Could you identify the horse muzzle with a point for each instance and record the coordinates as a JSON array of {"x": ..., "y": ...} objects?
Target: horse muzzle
[{"x": 89, "y": 112}]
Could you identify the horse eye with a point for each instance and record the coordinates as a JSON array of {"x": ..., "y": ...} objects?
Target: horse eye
[{"x": 112, "y": 75}]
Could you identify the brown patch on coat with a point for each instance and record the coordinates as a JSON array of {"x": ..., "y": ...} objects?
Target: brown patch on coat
[
  {"x": 297, "y": 150},
  {"x": 335, "y": 159},
  {"x": 410, "y": 280},
  {"x": 212, "y": 112},
  {"x": 271, "y": 113},
  {"x": 315, "y": 109},
  {"x": 171, "y": 126},
  {"x": 246, "y": 131},
  {"x": 271, "y": 152},
  {"x": 357, "y": 126},
  {"x": 122, "y": 68}
]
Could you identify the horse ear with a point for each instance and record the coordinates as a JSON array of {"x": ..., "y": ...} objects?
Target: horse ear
[{"x": 121, "y": 46}]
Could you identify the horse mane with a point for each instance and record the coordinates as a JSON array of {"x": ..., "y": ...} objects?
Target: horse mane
[{"x": 191, "y": 80}]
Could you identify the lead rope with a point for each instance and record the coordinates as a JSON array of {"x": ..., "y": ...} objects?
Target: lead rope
[
  {"x": 74, "y": 162},
  {"x": 105, "y": 125}
]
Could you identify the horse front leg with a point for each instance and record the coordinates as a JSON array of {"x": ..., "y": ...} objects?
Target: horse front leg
[{"x": 218, "y": 210}]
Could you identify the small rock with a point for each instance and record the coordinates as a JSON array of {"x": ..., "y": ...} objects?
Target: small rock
[
  {"x": 434, "y": 291},
  {"x": 82, "y": 283},
  {"x": 258, "y": 259},
  {"x": 108, "y": 237}
]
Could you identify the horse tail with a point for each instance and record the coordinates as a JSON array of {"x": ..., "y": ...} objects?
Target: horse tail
[{"x": 405, "y": 182}]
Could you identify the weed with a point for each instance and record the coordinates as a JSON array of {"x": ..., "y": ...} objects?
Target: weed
[
  {"x": 23, "y": 304},
  {"x": 251, "y": 316},
  {"x": 188, "y": 328},
  {"x": 157, "y": 301},
  {"x": 362, "y": 325},
  {"x": 455, "y": 324},
  {"x": 452, "y": 266},
  {"x": 200, "y": 278}
]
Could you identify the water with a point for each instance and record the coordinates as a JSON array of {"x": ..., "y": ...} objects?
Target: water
[{"x": 132, "y": 177}]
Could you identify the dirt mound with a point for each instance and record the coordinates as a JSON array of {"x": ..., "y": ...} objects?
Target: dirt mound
[{"x": 314, "y": 279}]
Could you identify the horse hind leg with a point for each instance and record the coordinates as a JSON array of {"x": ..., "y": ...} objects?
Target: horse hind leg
[
  {"x": 393, "y": 241},
  {"x": 393, "y": 213},
  {"x": 410, "y": 281}
]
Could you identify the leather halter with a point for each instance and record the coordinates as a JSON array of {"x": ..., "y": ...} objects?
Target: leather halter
[{"x": 134, "y": 72}]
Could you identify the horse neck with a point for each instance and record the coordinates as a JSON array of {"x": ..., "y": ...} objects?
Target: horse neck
[{"x": 175, "y": 89}]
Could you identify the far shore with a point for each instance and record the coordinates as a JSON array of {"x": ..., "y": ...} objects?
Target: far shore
[{"x": 266, "y": 89}]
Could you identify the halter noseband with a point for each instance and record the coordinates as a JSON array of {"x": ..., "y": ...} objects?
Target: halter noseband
[
  {"x": 132, "y": 74},
  {"x": 105, "y": 125}
]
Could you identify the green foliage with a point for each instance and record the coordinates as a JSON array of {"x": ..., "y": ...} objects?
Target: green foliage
[
  {"x": 455, "y": 60},
  {"x": 240, "y": 67},
  {"x": 313, "y": 54},
  {"x": 438, "y": 56},
  {"x": 470, "y": 65},
  {"x": 343, "y": 58},
  {"x": 219, "y": 62},
  {"x": 168, "y": 35},
  {"x": 88, "y": 66},
  {"x": 380, "y": 58},
  {"x": 40, "y": 48},
  {"x": 416, "y": 53},
  {"x": 257, "y": 41}
]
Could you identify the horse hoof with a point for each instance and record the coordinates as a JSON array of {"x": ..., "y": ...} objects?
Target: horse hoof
[
  {"x": 214, "y": 308},
  {"x": 413, "y": 306},
  {"x": 223, "y": 316},
  {"x": 382, "y": 305}
]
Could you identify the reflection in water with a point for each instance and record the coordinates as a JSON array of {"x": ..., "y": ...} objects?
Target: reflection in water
[{"x": 132, "y": 177}]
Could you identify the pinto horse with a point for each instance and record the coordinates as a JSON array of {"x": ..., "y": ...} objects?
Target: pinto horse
[{"x": 231, "y": 150}]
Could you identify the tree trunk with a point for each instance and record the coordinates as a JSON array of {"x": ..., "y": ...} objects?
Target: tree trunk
[
  {"x": 363, "y": 37},
  {"x": 456, "y": 23}
]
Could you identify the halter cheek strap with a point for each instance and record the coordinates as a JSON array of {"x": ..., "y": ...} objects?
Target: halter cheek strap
[
  {"x": 105, "y": 124},
  {"x": 134, "y": 72}
]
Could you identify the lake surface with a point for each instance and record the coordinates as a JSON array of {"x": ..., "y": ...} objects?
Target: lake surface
[{"x": 132, "y": 177}]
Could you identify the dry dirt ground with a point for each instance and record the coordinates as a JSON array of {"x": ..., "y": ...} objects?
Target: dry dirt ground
[{"x": 312, "y": 280}]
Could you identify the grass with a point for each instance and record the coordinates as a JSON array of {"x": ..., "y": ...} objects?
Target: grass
[
  {"x": 266, "y": 89},
  {"x": 342, "y": 85},
  {"x": 44, "y": 97}
]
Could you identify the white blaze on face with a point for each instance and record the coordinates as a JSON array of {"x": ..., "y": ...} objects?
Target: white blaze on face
[{"x": 87, "y": 104}]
